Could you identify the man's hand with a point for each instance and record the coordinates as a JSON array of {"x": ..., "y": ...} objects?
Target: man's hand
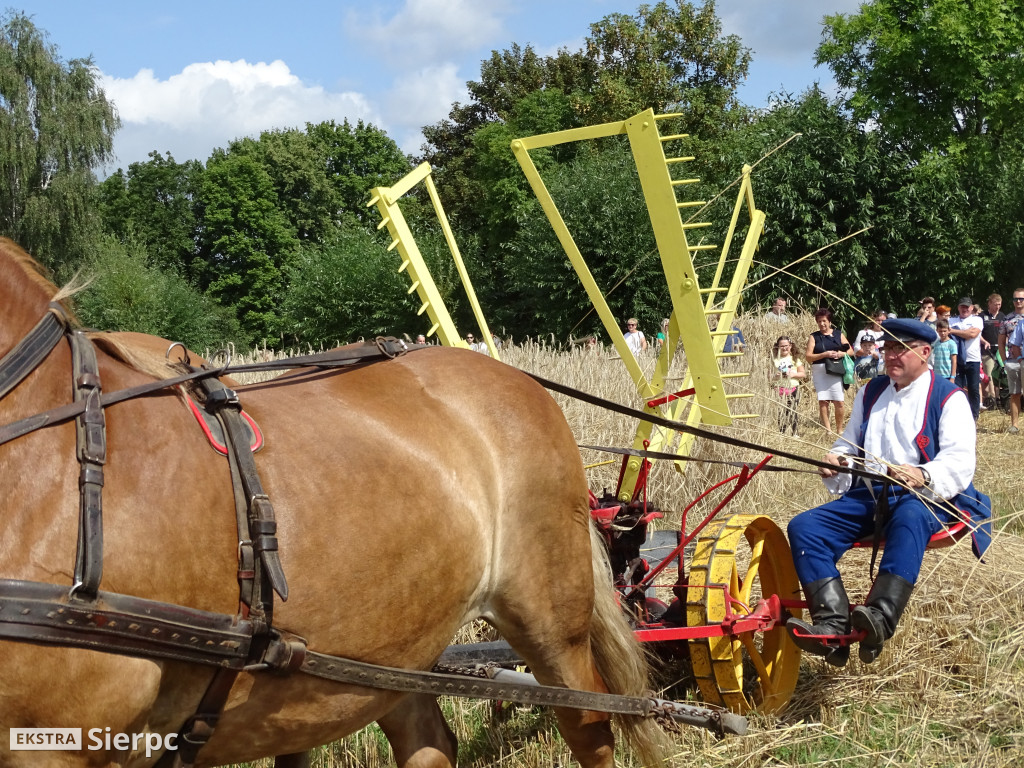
[
  {"x": 908, "y": 475},
  {"x": 837, "y": 460}
]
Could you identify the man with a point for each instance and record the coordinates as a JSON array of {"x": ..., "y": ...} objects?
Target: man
[
  {"x": 915, "y": 430},
  {"x": 1012, "y": 357},
  {"x": 993, "y": 322},
  {"x": 778, "y": 311},
  {"x": 635, "y": 340},
  {"x": 477, "y": 346},
  {"x": 968, "y": 327}
]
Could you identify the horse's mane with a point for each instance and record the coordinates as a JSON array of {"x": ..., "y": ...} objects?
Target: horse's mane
[{"x": 147, "y": 354}]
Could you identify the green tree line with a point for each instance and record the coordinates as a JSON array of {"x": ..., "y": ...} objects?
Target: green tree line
[{"x": 270, "y": 240}]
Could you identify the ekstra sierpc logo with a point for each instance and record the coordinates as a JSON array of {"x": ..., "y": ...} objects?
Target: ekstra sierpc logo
[
  {"x": 53, "y": 739},
  {"x": 47, "y": 739}
]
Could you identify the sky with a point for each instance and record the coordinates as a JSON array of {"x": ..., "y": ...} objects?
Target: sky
[{"x": 187, "y": 77}]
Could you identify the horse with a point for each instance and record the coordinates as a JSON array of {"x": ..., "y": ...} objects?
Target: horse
[{"x": 412, "y": 496}]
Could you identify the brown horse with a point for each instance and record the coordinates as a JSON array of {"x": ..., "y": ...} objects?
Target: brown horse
[{"x": 412, "y": 496}]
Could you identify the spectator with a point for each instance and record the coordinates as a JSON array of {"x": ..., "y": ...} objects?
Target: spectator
[
  {"x": 662, "y": 336},
  {"x": 873, "y": 333},
  {"x": 827, "y": 343},
  {"x": 421, "y": 339},
  {"x": 734, "y": 342},
  {"x": 1010, "y": 343},
  {"x": 867, "y": 358},
  {"x": 789, "y": 371},
  {"x": 635, "y": 340},
  {"x": 944, "y": 354},
  {"x": 901, "y": 426},
  {"x": 942, "y": 312},
  {"x": 778, "y": 311},
  {"x": 968, "y": 327},
  {"x": 477, "y": 346},
  {"x": 926, "y": 313},
  {"x": 993, "y": 320}
]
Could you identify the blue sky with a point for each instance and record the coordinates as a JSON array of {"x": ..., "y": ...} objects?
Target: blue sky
[{"x": 190, "y": 76}]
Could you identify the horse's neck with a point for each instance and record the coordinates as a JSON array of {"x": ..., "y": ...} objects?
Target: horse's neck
[{"x": 23, "y": 302}]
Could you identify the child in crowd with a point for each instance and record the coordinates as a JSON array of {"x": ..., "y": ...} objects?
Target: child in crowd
[
  {"x": 867, "y": 358},
  {"x": 788, "y": 373},
  {"x": 944, "y": 353}
]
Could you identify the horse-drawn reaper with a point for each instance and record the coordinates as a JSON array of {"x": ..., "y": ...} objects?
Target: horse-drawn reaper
[{"x": 441, "y": 484}]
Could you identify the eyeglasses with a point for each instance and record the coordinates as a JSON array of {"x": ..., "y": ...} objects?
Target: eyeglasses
[
  {"x": 896, "y": 350},
  {"x": 1018, "y": 298},
  {"x": 631, "y": 325}
]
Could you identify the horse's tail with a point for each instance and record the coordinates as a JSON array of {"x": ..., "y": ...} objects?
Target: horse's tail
[{"x": 621, "y": 660}]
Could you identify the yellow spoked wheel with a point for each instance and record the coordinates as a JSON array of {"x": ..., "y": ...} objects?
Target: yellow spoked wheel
[{"x": 742, "y": 670}]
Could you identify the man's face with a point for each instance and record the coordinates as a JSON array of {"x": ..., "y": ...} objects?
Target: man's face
[
  {"x": 779, "y": 307},
  {"x": 964, "y": 310},
  {"x": 905, "y": 361},
  {"x": 994, "y": 305},
  {"x": 1018, "y": 303}
]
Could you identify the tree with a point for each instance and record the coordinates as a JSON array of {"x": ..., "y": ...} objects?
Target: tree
[
  {"x": 128, "y": 293},
  {"x": 247, "y": 241},
  {"x": 356, "y": 159},
  {"x": 350, "y": 288},
  {"x": 56, "y": 126},
  {"x": 931, "y": 71},
  {"x": 666, "y": 58},
  {"x": 157, "y": 204}
]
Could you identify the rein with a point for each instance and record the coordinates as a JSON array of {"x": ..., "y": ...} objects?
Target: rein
[{"x": 679, "y": 426}]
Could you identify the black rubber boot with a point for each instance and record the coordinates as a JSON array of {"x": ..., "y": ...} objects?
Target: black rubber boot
[
  {"x": 830, "y": 614},
  {"x": 881, "y": 613}
]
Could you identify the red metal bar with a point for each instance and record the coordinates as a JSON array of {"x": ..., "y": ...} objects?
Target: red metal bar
[
  {"x": 741, "y": 480},
  {"x": 669, "y": 398}
]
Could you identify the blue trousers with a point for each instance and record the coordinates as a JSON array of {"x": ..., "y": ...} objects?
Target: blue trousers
[
  {"x": 968, "y": 376},
  {"x": 819, "y": 537}
]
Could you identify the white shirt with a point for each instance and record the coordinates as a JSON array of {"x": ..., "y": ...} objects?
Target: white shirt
[
  {"x": 874, "y": 336},
  {"x": 895, "y": 421},
  {"x": 973, "y": 346},
  {"x": 634, "y": 340}
]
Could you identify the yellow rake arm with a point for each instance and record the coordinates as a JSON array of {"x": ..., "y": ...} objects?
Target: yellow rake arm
[
  {"x": 386, "y": 199},
  {"x": 692, "y": 305}
]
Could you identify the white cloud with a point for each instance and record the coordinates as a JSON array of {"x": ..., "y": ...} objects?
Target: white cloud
[
  {"x": 427, "y": 32},
  {"x": 421, "y": 98},
  {"x": 208, "y": 104}
]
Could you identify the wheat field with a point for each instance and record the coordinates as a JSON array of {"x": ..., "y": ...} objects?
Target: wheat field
[{"x": 947, "y": 691}]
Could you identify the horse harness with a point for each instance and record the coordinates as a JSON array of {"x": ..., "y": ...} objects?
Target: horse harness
[{"x": 86, "y": 617}]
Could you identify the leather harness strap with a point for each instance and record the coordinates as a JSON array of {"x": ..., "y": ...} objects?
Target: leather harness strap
[
  {"x": 91, "y": 449},
  {"x": 33, "y": 349}
]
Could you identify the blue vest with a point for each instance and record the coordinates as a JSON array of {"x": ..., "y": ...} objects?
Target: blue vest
[{"x": 977, "y": 505}]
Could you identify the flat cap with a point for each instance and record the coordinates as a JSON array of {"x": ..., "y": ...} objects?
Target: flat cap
[{"x": 908, "y": 329}]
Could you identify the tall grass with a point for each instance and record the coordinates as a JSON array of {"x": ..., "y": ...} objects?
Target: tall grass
[{"x": 947, "y": 691}]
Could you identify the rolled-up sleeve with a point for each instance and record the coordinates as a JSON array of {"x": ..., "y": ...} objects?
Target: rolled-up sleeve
[{"x": 846, "y": 445}]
